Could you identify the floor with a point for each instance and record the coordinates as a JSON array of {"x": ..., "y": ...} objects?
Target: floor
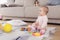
[{"x": 57, "y": 33}]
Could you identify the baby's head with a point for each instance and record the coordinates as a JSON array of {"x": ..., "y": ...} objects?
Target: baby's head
[{"x": 43, "y": 10}]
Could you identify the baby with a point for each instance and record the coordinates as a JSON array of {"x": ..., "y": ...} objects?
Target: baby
[{"x": 42, "y": 20}]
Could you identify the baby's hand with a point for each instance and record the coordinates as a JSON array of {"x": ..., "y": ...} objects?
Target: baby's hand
[
  {"x": 36, "y": 24},
  {"x": 32, "y": 27},
  {"x": 29, "y": 25}
]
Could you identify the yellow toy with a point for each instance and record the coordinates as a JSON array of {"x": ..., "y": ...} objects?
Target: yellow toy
[
  {"x": 7, "y": 28},
  {"x": 0, "y": 26},
  {"x": 36, "y": 34}
]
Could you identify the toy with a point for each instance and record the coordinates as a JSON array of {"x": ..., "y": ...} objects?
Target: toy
[
  {"x": 44, "y": 38},
  {"x": 22, "y": 29},
  {"x": 7, "y": 28},
  {"x": 36, "y": 34},
  {"x": 0, "y": 26},
  {"x": 1, "y": 17},
  {"x": 30, "y": 33},
  {"x": 26, "y": 29}
]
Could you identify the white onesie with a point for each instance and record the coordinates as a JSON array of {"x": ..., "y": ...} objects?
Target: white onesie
[{"x": 42, "y": 20}]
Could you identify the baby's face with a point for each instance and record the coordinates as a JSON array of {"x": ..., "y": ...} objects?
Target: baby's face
[{"x": 42, "y": 12}]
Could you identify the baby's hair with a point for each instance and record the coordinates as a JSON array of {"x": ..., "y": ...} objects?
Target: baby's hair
[{"x": 46, "y": 9}]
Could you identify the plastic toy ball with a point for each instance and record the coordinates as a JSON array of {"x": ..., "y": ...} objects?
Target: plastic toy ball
[{"x": 7, "y": 28}]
